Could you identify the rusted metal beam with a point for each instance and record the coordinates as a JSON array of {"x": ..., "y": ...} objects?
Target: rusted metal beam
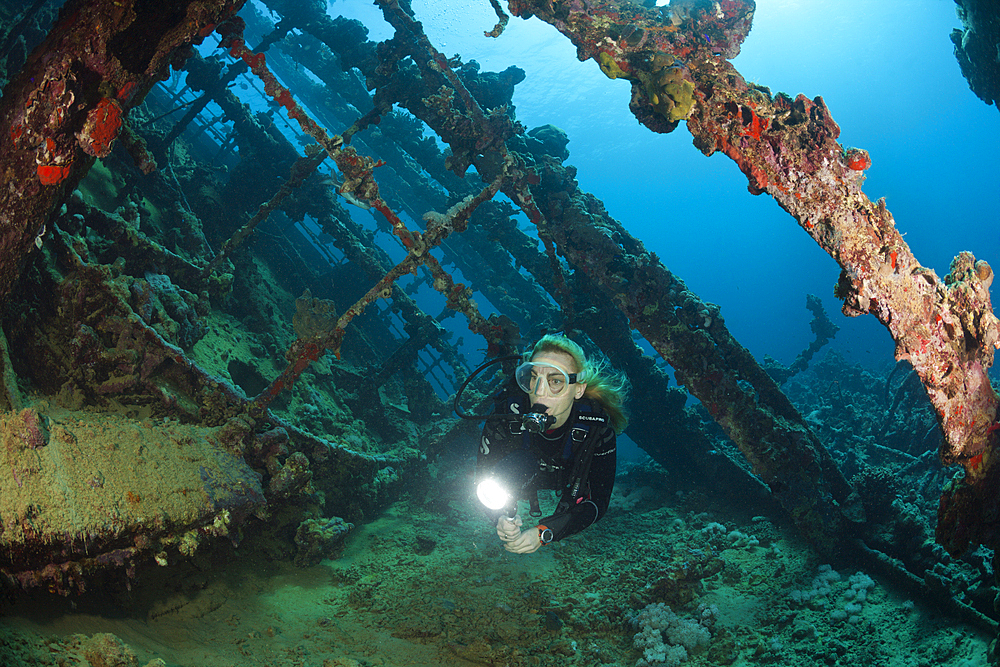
[{"x": 67, "y": 105}]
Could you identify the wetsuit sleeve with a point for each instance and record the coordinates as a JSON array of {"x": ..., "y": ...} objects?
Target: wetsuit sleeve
[
  {"x": 494, "y": 444},
  {"x": 601, "y": 483},
  {"x": 497, "y": 439}
]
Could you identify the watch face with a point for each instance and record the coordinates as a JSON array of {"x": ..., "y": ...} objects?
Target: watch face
[{"x": 546, "y": 536}]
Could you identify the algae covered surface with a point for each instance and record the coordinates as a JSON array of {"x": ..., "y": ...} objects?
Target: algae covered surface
[
  {"x": 427, "y": 583},
  {"x": 98, "y": 488}
]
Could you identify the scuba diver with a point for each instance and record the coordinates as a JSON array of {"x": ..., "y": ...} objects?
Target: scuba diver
[{"x": 556, "y": 429}]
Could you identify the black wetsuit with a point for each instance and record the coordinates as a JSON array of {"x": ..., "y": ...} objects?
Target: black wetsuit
[{"x": 556, "y": 452}]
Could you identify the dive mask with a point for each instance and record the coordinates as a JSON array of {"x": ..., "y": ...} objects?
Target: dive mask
[{"x": 535, "y": 376}]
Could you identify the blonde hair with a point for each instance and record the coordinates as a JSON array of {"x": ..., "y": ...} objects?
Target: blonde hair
[{"x": 608, "y": 388}]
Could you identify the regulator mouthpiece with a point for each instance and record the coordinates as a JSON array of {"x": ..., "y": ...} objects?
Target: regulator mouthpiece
[{"x": 537, "y": 420}]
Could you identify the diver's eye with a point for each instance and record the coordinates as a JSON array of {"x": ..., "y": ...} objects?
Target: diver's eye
[{"x": 556, "y": 383}]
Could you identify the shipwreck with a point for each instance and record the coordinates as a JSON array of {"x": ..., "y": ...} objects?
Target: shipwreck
[{"x": 174, "y": 264}]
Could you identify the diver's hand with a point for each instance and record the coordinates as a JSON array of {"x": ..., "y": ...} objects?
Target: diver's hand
[
  {"x": 507, "y": 529},
  {"x": 525, "y": 543}
]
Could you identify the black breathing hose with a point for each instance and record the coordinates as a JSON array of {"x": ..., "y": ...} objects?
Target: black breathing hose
[
  {"x": 458, "y": 394},
  {"x": 535, "y": 420}
]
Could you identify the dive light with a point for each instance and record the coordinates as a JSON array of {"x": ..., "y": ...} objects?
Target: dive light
[{"x": 506, "y": 482}]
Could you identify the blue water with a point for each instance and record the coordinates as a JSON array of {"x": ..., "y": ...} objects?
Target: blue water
[{"x": 891, "y": 81}]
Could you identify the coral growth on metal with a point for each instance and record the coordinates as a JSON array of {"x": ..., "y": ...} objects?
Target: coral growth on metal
[{"x": 103, "y": 124}]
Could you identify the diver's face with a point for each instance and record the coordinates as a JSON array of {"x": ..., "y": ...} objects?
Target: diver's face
[{"x": 557, "y": 406}]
